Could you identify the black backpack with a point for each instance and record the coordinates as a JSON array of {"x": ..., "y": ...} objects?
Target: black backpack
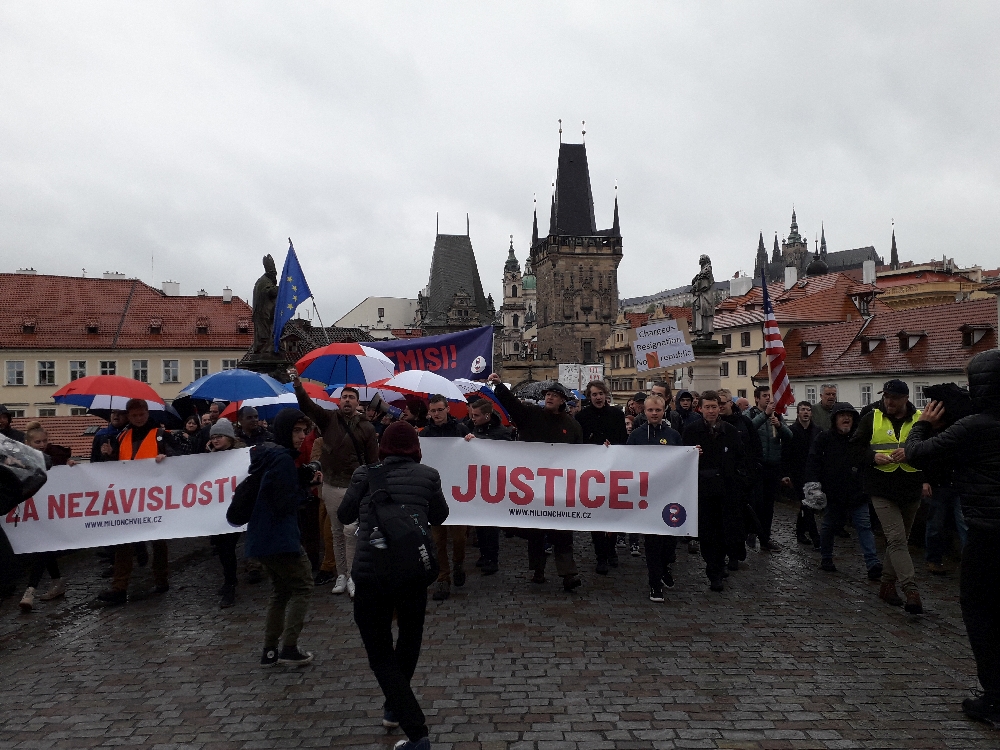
[
  {"x": 244, "y": 498},
  {"x": 402, "y": 546}
]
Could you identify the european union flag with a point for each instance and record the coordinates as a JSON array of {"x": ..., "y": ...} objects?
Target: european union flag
[{"x": 292, "y": 292}]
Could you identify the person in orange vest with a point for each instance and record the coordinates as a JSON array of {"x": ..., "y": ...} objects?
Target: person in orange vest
[{"x": 141, "y": 439}]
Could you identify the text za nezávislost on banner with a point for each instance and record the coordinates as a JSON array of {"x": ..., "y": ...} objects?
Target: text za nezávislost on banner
[
  {"x": 628, "y": 489},
  {"x": 118, "y": 502},
  {"x": 466, "y": 354}
]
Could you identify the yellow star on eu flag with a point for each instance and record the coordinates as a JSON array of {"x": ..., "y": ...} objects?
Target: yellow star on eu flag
[
  {"x": 290, "y": 307},
  {"x": 295, "y": 288},
  {"x": 289, "y": 279},
  {"x": 294, "y": 298}
]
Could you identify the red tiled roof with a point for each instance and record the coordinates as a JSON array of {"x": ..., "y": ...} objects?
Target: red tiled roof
[
  {"x": 940, "y": 350},
  {"x": 677, "y": 313},
  {"x": 636, "y": 320},
  {"x": 62, "y": 307},
  {"x": 69, "y": 432}
]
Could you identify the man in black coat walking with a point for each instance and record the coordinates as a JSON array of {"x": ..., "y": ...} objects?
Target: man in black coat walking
[
  {"x": 602, "y": 424},
  {"x": 486, "y": 426},
  {"x": 972, "y": 446},
  {"x": 793, "y": 455}
]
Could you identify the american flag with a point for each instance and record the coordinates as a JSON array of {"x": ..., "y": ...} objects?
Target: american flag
[{"x": 774, "y": 347}]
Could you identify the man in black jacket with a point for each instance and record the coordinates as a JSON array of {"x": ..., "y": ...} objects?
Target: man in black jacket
[
  {"x": 720, "y": 453},
  {"x": 5, "y": 429},
  {"x": 793, "y": 455},
  {"x": 486, "y": 426},
  {"x": 972, "y": 446},
  {"x": 548, "y": 424},
  {"x": 739, "y": 515},
  {"x": 412, "y": 483},
  {"x": 602, "y": 424},
  {"x": 894, "y": 485}
]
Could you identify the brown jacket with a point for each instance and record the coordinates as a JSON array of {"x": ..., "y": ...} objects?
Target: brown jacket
[{"x": 344, "y": 440}]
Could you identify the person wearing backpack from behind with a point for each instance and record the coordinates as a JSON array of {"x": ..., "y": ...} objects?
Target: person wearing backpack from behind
[
  {"x": 379, "y": 592},
  {"x": 273, "y": 535}
]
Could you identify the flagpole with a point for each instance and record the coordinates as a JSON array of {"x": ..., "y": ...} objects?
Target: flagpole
[
  {"x": 767, "y": 356},
  {"x": 316, "y": 310}
]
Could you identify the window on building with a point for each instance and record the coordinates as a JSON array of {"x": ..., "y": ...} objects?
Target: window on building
[
  {"x": 140, "y": 370},
  {"x": 745, "y": 338},
  {"x": 588, "y": 351},
  {"x": 46, "y": 372},
  {"x": 109, "y": 367},
  {"x": 811, "y": 394},
  {"x": 517, "y": 346},
  {"x": 78, "y": 411},
  {"x": 200, "y": 368},
  {"x": 741, "y": 367},
  {"x": 724, "y": 370},
  {"x": 513, "y": 291},
  {"x": 516, "y": 321},
  {"x": 866, "y": 394},
  {"x": 919, "y": 398},
  {"x": 629, "y": 362},
  {"x": 171, "y": 371},
  {"x": 229, "y": 364},
  {"x": 727, "y": 340},
  {"x": 381, "y": 313},
  {"x": 47, "y": 411},
  {"x": 77, "y": 369},
  {"x": 741, "y": 393},
  {"x": 15, "y": 372}
]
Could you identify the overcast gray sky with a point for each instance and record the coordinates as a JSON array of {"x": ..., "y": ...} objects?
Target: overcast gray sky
[{"x": 201, "y": 135}]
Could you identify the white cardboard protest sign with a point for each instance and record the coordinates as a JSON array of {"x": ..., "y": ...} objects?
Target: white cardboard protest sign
[
  {"x": 118, "y": 502},
  {"x": 660, "y": 344},
  {"x": 628, "y": 489}
]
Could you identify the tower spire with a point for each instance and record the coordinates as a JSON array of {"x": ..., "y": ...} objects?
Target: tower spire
[
  {"x": 776, "y": 253},
  {"x": 615, "y": 227},
  {"x": 560, "y": 132},
  {"x": 894, "y": 254},
  {"x": 761, "y": 261},
  {"x": 552, "y": 213},
  {"x": 534, "y": 221},
  {"x": 822, "y": 240}
]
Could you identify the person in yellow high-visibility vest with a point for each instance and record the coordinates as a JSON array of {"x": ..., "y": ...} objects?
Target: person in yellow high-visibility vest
[
  {"x": 895, "y": 487},
  {"x": 141, "y": 439}
]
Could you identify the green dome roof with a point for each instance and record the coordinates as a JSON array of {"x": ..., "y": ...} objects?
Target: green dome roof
[{"x": 528, "y": 282}]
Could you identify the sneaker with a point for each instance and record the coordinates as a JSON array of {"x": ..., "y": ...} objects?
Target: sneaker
[
  {"x": 323, "y": 577},
  {"x": 443, "y": 591},
  {"x": 983, "y": 708},
  {"x": 538, "y": 577},
  {"x": 634, "y": 550},
  {"x": 228, "y": 597},
  {"x": 913, "y": 604},
  {"x": 693, "y": 547},
  {"x": 422, "y": 744},
  {"x": 571, "y": 582},
  {"x": 389, "y": 720},
  {"x": 602, "y": 569},
  {"x": 937, "y": 569},
  {"x": 875, "y": 572},
  {"x": 55, "y": 591},
  {"x": 341, "y": 585},
  {"x": 292, "y": 656},
  {"x": 716, "y": 584},
  {"x": 111, "y": 596},
  {"x": 269, "y": 658},
  {"x": 254, "y": 576},
  {"x": 621, "y": 541},
  {"x": 827, "y": 565},
  {"x": 667, "y": 579},
  {"x": 459, "y": 576},
  {"x": 887, "y": 593},
  {"x": 351, "y": 588},
  {"x": 656, "y": 594},
  {"x": 490, "y": 567},
  {"x": 28, "y": 600},
  {"x": 769, "y": 546}
]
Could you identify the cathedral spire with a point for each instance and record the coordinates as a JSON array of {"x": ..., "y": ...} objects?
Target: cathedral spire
[
  {"x": 511, "y": 266},
  {"x": 894, "y": 254},
  {"x": 776, "y": 253},
  {"x": 793, "y": 231},
  {"x": 534, "y": 223},
  {"x": 552, "y": 213},
  {"x": 761, "y": 261},
  {"x": 822, "y": 240},
  {"x": 615, "y": 227}
]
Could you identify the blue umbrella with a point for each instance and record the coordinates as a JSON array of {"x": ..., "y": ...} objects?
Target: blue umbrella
[{"x": 234, "y": 385}]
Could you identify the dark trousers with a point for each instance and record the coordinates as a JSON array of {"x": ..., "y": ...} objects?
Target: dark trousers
[
  {"x": 41, "y": 562},
  {"x": 734, "y": 527},
  {"x": 310, "y": 532},
  {"x": 225, "y": 545},
  {"x": 712, "y": 535},
  {"x": 764, "y": 505},
  {"x": 562, "y": 541},
  {"x": 394, "y": 665},
  {"x": 604, "y": 545},
  {"x": 980, "y": 605},
  {"x": 661, "y": 553},
  {"x": 489, "y": 542},
  {"x": 805, "y": 524}
]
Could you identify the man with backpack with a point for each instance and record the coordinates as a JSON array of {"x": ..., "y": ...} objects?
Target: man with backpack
[
  {"x": 273, "y": 535},
  {"x": 392, "y": 570}
]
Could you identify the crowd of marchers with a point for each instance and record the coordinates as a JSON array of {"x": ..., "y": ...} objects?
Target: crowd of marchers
[{"x": 316, "y": 471}]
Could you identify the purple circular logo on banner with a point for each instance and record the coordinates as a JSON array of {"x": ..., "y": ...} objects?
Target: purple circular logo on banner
[{"x": 674, "y": 515}]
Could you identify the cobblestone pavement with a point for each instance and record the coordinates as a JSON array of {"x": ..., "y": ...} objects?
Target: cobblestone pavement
[{"x": 787, "y": 657}]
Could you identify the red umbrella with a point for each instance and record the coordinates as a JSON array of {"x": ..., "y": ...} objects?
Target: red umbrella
[{"x": 107, "y": 392}]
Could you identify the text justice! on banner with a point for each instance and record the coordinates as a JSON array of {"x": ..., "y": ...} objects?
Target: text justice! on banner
[{"x": 628, "y": 489}]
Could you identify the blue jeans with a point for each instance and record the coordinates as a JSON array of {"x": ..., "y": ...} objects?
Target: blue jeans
[
  {"x": 944, "y": 502},
  {"x": 835, "y": 517}
]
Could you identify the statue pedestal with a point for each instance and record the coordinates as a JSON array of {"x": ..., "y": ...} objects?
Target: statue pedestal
[
  {"x": 267, "y": 364},
  {"x": 706, "y": 365}
]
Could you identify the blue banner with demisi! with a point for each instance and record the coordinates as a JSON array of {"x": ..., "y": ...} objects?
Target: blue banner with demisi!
[{"x": 466, "y": 354}]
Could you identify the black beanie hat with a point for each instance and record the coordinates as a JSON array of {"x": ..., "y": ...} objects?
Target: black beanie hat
[{"x": 400, "y": 439}]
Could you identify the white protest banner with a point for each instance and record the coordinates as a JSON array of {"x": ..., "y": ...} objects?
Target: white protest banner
[
  {"x": 660, "y": 344},
  {"x": 117, "y": 502},
  {"x": 630, "y": 489}
]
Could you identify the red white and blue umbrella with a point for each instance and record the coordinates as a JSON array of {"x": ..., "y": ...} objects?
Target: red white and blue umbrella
[
  {"x": 340, "y": 364},
  {"x": 268, "y": 406},
  {"x": 421, "y": 383},
  {"x": 474, "y": 391},
  {"x": 234, "y": 385},
  {"x": 107, "y": 392}
]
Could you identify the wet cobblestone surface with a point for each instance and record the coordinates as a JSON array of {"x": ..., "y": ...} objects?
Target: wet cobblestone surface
[{"x": 786, "y": 657}]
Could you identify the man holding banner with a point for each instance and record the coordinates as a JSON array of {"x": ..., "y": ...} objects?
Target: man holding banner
[{"x": 548, "y": 424}]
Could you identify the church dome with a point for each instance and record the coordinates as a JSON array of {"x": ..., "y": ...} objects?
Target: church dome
[
  {"x": 818, "y": 267},
  {"x": 528, "y": 282}
]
